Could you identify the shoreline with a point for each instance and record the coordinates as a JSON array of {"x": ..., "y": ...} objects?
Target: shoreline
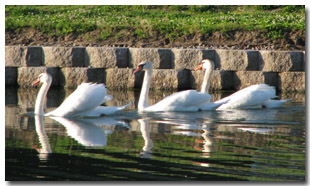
[{"x": 173, "y": 67}]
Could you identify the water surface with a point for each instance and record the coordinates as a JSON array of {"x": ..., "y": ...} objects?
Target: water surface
[{"x": 235, "y": 145}]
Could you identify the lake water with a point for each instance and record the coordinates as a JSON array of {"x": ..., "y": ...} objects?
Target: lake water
[{"x": 235, "y": 145}]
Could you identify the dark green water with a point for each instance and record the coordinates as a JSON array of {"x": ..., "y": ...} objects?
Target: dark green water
[{"x": 238, "y": 145}]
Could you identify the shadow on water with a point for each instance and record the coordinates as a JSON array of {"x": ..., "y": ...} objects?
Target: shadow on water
[{"x": 64, "y": 167}]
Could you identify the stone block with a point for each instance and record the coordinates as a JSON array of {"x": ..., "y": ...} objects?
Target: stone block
[
  {"x": 15, "y": 56},
  {"x": 26, "y": 75},
  {"x": 104, "y": 57},
  {"x": 237, "y": 60},
  {"x": 220, "y": 80},
  {"x": 164, "y": 79},
  {"x": 75, "y": 76},
  {"x": 169, "y": 79},
  {"x": 11, "y": 76},
  {"x": 34, "y": 56},
  {"x": 27, "y": 98},
  {"x": 161, "y": 58},
  {"x": 55, "y": 97},
  {"x": 11, "y": 95},
  {"x": 96, "y": 75},
  {"x": 281, "y": 61},
  {"x": 64, "y": 56},
  {"x": 184, "y": 80},
  {"x": 120, "y": 78},
  {"x": 292, "y": 81},
  {"x": 189, "y": 58},
  {"x": 243, "y": 79}
]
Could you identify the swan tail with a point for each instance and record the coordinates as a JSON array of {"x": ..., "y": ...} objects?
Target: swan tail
[
  {"x": 55, "y": 113},
  {"x": 103, "y": 110},
  {"x": 124, "y": 106},
  {"x": 213, "y": 106},
  {"x": 275, "y": 103},
  {"x": 109, "y": 110},
  {"x": 107, "y": 98}
]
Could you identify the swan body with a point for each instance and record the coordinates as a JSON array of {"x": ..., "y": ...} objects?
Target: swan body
[
  {"x": 84, "y": 101},
  {"x": 254, "y": 96},
  {"x": 188, "y": 100}
]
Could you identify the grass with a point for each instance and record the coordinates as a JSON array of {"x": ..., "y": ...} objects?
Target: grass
[{"x": 147, "y": 21}]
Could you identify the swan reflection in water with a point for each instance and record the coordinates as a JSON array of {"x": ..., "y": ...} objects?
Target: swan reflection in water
[
  {"x": 261, "y": 121},
  {"x": 87, "y": 132},
  {"x": 45, "y": 149},
  {"x": 202, "y": 125},
  {"x": 192, "y": 129},
  {"x": 148, "y": 143}
]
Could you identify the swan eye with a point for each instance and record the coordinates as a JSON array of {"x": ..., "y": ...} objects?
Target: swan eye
[{"x": 140, "y": 67}]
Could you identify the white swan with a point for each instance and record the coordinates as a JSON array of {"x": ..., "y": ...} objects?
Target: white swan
[
  {"x": 188, "y": 100},
  {"x": 208, "y": 66},
  {"x": 84, "y": 101},
  {"x": 254, "y": 96}
]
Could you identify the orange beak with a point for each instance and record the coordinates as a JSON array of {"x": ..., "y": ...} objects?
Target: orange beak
[
  {"x": 36, "y": 82},
  {"x": 138, "y": 69},
  {"x": 199, "y": 67}
]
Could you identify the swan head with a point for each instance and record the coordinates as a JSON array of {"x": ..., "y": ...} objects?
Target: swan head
[
  {"x": 43, "y": 78},
  {"x": 205, "y": 64},
  {"x": 144, "y": 66}
]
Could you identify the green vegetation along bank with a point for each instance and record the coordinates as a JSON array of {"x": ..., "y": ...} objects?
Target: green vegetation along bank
[{"x": 234, "y": 27}]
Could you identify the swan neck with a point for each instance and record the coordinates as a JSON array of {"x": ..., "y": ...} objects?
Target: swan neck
[
  {"x": 206, "y": 80},
  {"x": 144, "y": 95},
  {"x": 39, "y": 105},
  {"x": 43, "y": 138}
]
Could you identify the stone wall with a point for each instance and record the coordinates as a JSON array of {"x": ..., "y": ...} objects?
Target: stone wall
[{"x": 173, "y": 68}]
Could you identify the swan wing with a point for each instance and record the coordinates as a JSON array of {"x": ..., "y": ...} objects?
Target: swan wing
[
  {"x": 86, "y": 97},
  {"x": 103, "y": 110},
  {"x": 188, "y": 100},
  {"x": 251, "y": 96}
]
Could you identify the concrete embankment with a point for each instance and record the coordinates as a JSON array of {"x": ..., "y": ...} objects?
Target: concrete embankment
[{"x": 173, "y": 68}]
